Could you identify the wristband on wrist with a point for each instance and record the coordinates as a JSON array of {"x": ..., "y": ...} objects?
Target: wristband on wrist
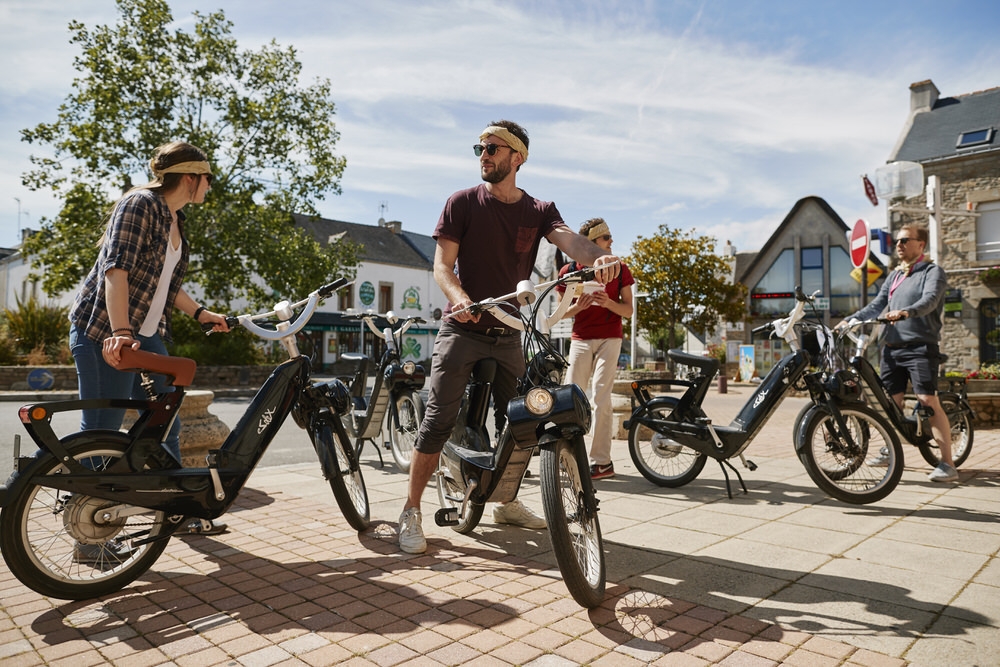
[
  {"x": 198, "y": 312},
  {"x": 127, "y": 330}
]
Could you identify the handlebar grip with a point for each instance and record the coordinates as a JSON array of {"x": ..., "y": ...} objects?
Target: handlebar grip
[
  {"x": 330, "y": 288},
  {"x": 209, "y": 327}
]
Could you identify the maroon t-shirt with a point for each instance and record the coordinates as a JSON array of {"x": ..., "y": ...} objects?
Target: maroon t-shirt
[
  {"x": 595, "y": 322},
  {"x": 497, "y": 242}
]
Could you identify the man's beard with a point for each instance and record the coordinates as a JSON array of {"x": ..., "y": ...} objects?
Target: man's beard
[{"x": 500, "y": 172}]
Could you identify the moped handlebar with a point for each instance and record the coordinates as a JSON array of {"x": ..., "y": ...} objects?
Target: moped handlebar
[
  {"x": 391, "y": 318},
  {"x": 284, "y": 311},
  {"x": 785, "y": 327},
  {"x": 527, "y": 293}
]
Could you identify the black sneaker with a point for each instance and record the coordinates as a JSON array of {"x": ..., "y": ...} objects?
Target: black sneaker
[{"x": 600, "y": 472}]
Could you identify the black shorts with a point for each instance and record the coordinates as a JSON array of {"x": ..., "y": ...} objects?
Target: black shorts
[{"x": 917, "y": 363}]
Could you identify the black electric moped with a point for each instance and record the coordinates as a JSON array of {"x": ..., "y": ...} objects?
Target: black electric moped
[
  {"x": 913, "y": 420},
  {"x": 670, "y": 438},
  {"x": 545, "y": 414},
  {"x": 394, "y": 404},
  {"x": 88, "y": 513}
]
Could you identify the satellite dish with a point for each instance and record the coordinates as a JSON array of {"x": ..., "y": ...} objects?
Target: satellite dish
[{"x": 899, "y": 179}]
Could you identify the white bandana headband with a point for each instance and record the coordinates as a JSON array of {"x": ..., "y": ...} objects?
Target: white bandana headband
[{"x": 507, "y": 136}]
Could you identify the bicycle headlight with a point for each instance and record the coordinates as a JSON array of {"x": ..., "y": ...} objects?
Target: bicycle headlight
[
  {"x": 409, "y": 367},
  {"x": 539, "y": 401}
]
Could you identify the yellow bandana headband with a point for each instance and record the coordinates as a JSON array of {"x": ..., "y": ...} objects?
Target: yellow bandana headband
[
  {"x": 598, "y": 231},
  {"x": 200, "y": 167},
  {"x": 507, "y": 136}
]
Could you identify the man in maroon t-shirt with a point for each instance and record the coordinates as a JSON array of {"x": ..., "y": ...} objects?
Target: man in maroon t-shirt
[
  {"x": 487, "y": 239},
  {"x": 597, "y": 342}
]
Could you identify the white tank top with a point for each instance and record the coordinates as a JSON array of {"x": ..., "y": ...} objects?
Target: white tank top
[{"x": 152, "y": 322}]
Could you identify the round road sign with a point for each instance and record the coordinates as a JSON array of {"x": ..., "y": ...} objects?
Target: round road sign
[{"x": 859, "y": 244}]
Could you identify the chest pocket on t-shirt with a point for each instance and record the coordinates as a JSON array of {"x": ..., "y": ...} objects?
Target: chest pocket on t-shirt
[{"x": 526, "y": 237}]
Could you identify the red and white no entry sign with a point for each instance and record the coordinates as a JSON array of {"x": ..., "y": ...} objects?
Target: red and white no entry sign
[{"x": 860, "y": 239}]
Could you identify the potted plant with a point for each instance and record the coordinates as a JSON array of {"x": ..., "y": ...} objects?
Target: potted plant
[
  {"x": 990, "y": 276},
  {"x": 986, "y": 379}
]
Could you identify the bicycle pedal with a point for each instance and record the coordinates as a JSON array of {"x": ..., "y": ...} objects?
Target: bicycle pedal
[
  {"x": 446, "y": 516},
  {"x": 751, "y": 466}
]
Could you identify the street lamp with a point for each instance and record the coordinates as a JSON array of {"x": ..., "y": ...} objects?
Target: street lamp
[{"x": 635, "y": 318}]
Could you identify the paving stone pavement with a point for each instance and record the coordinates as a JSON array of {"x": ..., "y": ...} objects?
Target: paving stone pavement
[{"x": 780, "y": 576}]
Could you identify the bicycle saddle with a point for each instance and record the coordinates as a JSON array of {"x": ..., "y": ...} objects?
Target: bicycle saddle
[
  {"x": 708, "y": 365},
  {"x": 181, "y": 369}
]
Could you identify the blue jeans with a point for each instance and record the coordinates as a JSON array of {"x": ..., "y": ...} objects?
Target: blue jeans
[{"x": 96, "y": 379}]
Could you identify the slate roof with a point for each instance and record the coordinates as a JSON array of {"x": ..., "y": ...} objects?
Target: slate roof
[
  {"x": 379, "y": 244},
  {"x": 934, "y": 134}
]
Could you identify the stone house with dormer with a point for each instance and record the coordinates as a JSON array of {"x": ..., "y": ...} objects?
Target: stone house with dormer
[{"x": 955, "y": 140}]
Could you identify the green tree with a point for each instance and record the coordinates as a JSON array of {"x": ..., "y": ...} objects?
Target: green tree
[
  {"x": 270, "y": 141},
  {"x": 686, "y": 283}
]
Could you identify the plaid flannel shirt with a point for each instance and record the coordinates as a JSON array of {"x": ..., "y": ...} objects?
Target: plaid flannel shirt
[{"x": 135, "y": 241}]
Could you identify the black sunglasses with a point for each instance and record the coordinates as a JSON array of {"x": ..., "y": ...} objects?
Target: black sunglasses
[
  {"x": 491, "y": 149},
  {"x": 209, "y": 178},
  {"x": 903, "y": 241}
]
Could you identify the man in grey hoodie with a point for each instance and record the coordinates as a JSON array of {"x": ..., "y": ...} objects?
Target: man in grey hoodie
[{"x": 912, "y": 297}]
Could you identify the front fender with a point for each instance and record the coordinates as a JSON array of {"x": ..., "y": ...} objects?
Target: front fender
[{"x": 802, "y": 421}]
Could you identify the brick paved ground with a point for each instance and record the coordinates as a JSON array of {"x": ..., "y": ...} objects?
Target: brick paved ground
[{"x": 781, "y": 576}]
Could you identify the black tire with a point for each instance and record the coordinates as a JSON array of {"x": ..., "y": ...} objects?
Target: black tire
[
  {"x": 663, "y": 461},
  {"x": 42, "y": 529},
  {"x": 342, "y": 470},
  {"x": 849, "y": 473},
  {"x": 404, "y": 421},
  {"x": 451, "y": 494},
  {"x": 962, "y": 432},
  {"x": 571, "y": 513}
]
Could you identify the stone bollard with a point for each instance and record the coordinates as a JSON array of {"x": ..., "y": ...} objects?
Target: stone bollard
[
  {"x": 200, "y": 429},
  {"x": 621, "y": 408}
]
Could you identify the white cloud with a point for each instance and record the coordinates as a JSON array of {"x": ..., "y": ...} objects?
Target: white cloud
[{"x": 648, "y": 113}]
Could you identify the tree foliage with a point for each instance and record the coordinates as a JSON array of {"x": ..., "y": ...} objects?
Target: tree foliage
[
  {"x": 686, "y": 283},
  {"x": 270, "y": 140}
]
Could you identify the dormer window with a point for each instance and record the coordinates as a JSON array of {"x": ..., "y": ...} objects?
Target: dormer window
[{"x": 975, "y": 138}]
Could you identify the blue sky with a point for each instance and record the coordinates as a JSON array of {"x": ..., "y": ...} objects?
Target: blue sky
[{"x": 715, "y": 116}]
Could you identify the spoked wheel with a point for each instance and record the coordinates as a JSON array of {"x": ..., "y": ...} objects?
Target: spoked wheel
[
  {"x": 451, "y": 494},
  {"x": 960, "y": 421},
  {"x": 405, "y": 421},
  {"x": 663, "y": 461},
  {"x": 58, "y": 544},
  {"x": 342, "y": 470},
  {"x": 571, "y": 512},
  {"x": 859, "y": 469}
]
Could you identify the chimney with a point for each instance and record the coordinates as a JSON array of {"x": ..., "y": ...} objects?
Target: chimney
[
  {"x": 394, "y": 226},
  {"x": 923, "y": 96}
]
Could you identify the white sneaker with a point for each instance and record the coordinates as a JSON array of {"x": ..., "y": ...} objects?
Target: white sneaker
[
  {"x": 517, "y": 514},
  {"x": 881, "y": 460},
  {"x": 411, "y": 535},
  {"x": 943, "y": 473}
]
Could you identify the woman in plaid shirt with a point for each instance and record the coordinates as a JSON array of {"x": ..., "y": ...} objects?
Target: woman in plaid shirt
[{"x": 129, "y": 296}]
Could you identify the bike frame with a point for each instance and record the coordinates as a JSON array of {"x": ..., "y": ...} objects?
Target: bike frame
[
  {"x": 692, "y": 428},
  {"x": 686, "y": 422}
]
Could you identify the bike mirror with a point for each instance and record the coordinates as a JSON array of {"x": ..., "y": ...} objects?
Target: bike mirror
[{"x": 526, "y": 293}]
